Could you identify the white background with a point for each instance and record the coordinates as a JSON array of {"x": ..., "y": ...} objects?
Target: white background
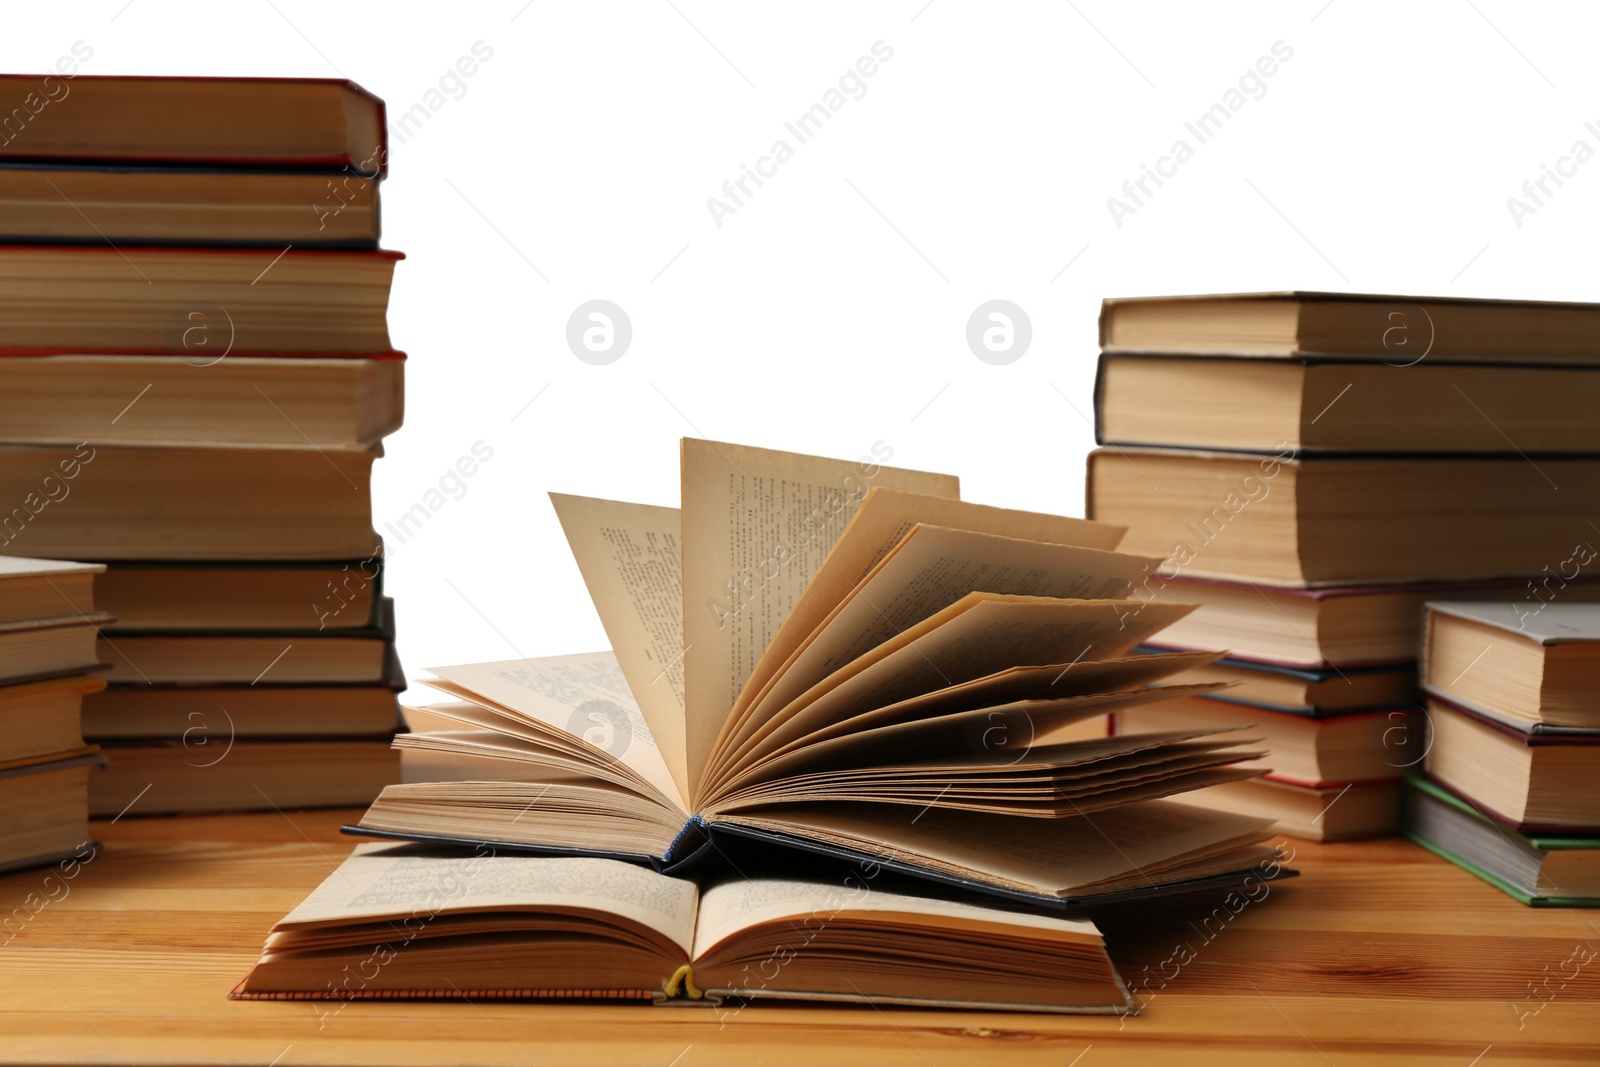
[{"x": 829, "y": 312}]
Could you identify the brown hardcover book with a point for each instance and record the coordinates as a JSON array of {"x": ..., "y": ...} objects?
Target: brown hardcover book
[
  {"x": 219, "y": 122},
  {"x": 1341, "y": 626},
  {"x": 137, "y": 712},
  {"x": 209, "y": 771},
  {"x": 1401, "y": 330},
  {"x": 200, "y": 303},
  {"x": 217, "y": 657},
  {"x": 1313, "y": 693},
  {"x": 45, "y": 801},
  {"x": 1366, "y": 746},
  {"x": 264, "y": 595},
  {"x": 49, "y": 648},
  {"x": 51, "y": 203},
  {"x": 302, "y": 402},
  {"x": 182, "y": 503},
  {"x": 1314, "y": 813},
  {"x": 40, "y": 718},
  {"x": 1263, "y": 405},
  {"x": 32, "y": 589},
  {"x": 1328, "y": 521}
]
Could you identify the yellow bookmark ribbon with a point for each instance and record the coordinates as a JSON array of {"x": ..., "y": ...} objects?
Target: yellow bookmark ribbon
[{"x": 685, "y": 976}]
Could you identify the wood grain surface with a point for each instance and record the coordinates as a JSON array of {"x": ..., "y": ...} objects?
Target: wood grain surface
[{"x": 1379, "y": 953}]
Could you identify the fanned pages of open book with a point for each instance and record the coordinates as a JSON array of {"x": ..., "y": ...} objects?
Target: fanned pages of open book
[{"x": 841, "y": 659}]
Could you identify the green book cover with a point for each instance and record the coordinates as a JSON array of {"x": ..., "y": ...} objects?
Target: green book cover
[{"x": 1545, "y": 844}]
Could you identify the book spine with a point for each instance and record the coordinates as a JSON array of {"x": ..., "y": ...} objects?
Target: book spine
[
  {"x": 1100, "y": 399},
  {"x": 450, "y": 993},
  {"x": 32, "y": 353},
  {"x": 695, "y": 823}
]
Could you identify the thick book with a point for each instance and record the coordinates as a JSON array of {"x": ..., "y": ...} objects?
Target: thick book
[
  {"x": 1325, "y": 521},
  {"x": 844, "y": 658},
  {"x": 1400, "y": 330},
  {"x": 1368, "y": 746},
  {"x": 200, "y": 303},
  {"x": 45, "y": 588},
  {"x": 1535, "y": 666},
  {"x": 261, "y": 711},
  {"x": 185, "y": 503},
  {"x": 302, "y": 402},
  {"x": 39, "y": 718},
  {"x": 1340, "y": 626},
  {"x": 1316, "y": 694},
  {"x": 49, "y": 648},
  {"x": 1353, "y": 811},
  {"x": 217, "y": 657},
  {"x": 1531, "y": 782},
  {"x": 1537, "y": 869},
  {"x": 406, "y": 923},
  {"x": 147, "y": 205},
  {"x": 45, "y": 801},
  {"x": 1259, "y": 405},
  {"x": 208, "y": 770},
  {"x": 244, "y": 122},
  {"x": 180, "y": 595}
]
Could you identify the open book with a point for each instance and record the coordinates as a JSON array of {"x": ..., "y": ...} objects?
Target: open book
[
  {"x": 396, "y": 920},
  {"x": 846, "y": 659}
]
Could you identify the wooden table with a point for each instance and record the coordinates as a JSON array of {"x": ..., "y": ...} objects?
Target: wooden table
[{"x": 1380, "y": 953}]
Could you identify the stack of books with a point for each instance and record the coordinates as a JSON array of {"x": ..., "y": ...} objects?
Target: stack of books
[
  {"x": 1313, "y": 468},
  {"x": 1514, "y": 705},
  {"x": 47, "y": 654},
  {"x": 832, "y": 755},
  {"x": 195, "y": 379}
]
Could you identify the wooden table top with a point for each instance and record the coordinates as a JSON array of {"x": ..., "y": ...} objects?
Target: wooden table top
[{"x": 1379, "y": 953}]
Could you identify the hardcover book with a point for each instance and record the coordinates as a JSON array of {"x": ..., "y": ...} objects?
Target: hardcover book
[
  {"x": 1542, "y": 870},
  {"x": 133, "y": 205},
  {"x": 398, "y": 921},
  {"x": 201, "y": 303},
  {"x": 32, "y": 650},
  {"x": 141, "y": 503},
  {"x": 1362, "y": 746},
  {"x": 45, "y": 801},
  {"x": 1316, "y": 694},
  {"x": 1261, "y": 405},
  {"x": 218, "y": 657},
  {"x": 1400, "y": 330},
  {"x": 207, "y": 770},
  {"x": 250, "y": 122},
  {"x": 231, "y": 595},
  {"x": 299, "y": 401},
  {"x": 1340, "y": 626},
  {"x": 32, "y": 589},
  {"x": 1530, "y": 782},
  {"x": 1349, "y": 812},
  {"x": 1534, "y": 666},
  {"x": 40, "y": 718},
  {"x": 1308, "y": 521},
  {"x": 264, "y": 708}
]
